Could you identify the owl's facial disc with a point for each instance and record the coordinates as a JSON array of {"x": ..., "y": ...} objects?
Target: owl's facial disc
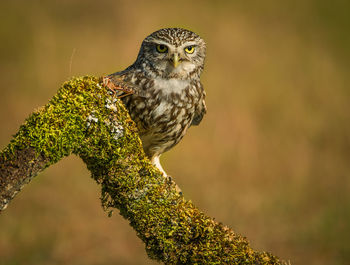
[
  {"x": 180, "y": 62},
  {"x": 177, "y": 64},
  {"x": 173, "y": 61}
]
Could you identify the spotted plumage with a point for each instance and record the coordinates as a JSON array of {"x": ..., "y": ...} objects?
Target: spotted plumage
[{"x": 166, "y": 96}]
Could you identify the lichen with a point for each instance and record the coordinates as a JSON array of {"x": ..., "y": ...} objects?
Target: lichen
[{"x": 83, "y": 118}]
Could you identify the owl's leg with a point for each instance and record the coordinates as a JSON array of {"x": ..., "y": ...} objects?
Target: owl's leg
[{"x": 155, "y": 161}]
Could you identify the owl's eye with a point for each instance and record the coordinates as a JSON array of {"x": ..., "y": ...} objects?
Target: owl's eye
[
  {"x": 189, "y": 49},
  {"x": 161, "y": 48}
]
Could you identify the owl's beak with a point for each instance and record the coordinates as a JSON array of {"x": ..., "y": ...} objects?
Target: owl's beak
[{"x": 176, "y": 60}]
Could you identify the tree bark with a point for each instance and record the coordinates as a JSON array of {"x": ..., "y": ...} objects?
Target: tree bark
[{"x": 85, "y": 119}]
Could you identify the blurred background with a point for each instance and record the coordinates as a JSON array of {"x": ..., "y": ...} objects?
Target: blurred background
[{"x": 270, "y": 159}]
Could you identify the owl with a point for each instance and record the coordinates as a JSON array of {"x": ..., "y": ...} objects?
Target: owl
[{"x": 162, "y": 89}]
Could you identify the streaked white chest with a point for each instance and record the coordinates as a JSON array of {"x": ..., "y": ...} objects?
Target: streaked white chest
[{"x": 168, "y": 86}]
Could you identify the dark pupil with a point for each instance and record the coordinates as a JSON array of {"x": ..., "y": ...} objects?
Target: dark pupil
[
  {"x": 189, "y": 48},
  {"x": 161, "y": 47}
]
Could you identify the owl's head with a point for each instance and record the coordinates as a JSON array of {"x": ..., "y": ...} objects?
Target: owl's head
[{"x": 172, "y": 53}]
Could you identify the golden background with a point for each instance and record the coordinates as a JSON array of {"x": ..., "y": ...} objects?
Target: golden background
[{"x": 270, "y": 159}]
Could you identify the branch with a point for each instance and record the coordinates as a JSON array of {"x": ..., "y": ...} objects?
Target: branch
[{"x": 83, "y": 118}]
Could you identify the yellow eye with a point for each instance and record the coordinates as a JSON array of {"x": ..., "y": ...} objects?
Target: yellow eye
[
  {"x": 189, "y": 49},
  {"x": 161, "y": 48}
]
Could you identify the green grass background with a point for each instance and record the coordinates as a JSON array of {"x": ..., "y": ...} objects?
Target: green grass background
[{"x": 270, "y": 159}]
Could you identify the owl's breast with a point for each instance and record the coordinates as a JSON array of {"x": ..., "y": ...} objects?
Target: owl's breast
[
  {"x": 172, "y": 101},
  {"x": 170, "y": 86},
  {"x": 164, "y": 113}
]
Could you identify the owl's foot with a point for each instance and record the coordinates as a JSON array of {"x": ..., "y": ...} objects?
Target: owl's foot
[{"x": 172, "y": 182}]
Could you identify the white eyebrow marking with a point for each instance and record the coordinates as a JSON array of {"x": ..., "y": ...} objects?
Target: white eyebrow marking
[
  {"x": 161, "y": 42},
  {"x": 155, "y": 41},
  {"x": 189, "y": 43}
]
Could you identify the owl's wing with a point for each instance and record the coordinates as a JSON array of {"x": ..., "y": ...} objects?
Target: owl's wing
[{"x": 200, "y": 111}]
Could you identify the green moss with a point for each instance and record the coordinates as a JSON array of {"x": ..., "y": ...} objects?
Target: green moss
[{"x": 84, "y": 119}]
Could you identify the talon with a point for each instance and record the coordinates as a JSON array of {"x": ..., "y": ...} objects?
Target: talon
[
  {"x": 178, "y": 190},
  {"x": 170, "y": 181}
]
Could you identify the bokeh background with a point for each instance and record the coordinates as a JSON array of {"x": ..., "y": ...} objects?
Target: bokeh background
[{"x": 270, "y": 159}]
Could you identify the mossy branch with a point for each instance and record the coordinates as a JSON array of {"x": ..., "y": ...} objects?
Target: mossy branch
[{"x": 83, "y": 118}]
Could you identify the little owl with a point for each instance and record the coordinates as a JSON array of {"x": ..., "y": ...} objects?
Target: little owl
[{"x": 165, "y": 96}]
